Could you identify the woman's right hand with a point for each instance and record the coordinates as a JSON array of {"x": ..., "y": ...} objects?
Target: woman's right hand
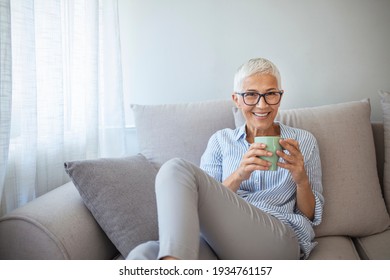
[{"x": 250, "y": 162}]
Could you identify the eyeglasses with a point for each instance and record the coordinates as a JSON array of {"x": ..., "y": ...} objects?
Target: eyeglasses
[{"x": 252, "y": 98}]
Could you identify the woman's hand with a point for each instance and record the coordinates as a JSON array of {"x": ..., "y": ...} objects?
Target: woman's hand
[
  {"x": 249, "y": 163},
  {"x": 251, "y": 160},
  {"x": 294, "y": 161}
]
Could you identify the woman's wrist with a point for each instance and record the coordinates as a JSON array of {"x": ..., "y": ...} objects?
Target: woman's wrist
[
  {"x": 305, "y": 199},
  {"x": 234, "y": 181},
  {"x": 304, "y": 184}
]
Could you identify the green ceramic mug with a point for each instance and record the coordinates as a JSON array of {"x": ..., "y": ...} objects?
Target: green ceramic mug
[{"x": 272, "y": 145}]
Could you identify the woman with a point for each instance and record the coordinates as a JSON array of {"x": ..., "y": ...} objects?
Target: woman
[{"x": 233, "y": 207}]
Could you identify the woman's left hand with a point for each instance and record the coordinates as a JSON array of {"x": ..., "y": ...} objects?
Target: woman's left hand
[{"x": 293, "y": 161}]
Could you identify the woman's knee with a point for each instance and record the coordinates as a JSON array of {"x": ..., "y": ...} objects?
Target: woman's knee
[
  {"x": 173, "y": 169},
  {"x": 174, "y": 164}
]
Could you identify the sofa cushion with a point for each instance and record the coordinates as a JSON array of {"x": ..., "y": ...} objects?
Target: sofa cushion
[
  {"x": 119, "y": 192},
  {"x": 354, "y": 205},
  {"x": 374, "y": 247},
  {"x": 179, "y": 130},
  {"x": 334, "y": 248},
  {"x": 385, "y": 102}
]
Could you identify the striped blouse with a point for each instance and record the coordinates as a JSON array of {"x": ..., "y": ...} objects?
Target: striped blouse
[{"x": 273, "y": 192}]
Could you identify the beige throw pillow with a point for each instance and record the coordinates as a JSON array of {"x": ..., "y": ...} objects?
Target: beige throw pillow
[
  {"x": 179, "y": 130},
  {"x": 385, "y": 102}
]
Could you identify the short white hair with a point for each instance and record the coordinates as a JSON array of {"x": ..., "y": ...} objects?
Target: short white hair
[{"x": 255, "y": 66}]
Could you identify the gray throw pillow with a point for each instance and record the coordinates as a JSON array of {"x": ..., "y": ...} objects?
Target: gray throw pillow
[{"x": 120, "y": 194}]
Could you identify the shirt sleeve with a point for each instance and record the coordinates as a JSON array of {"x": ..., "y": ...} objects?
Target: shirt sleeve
[
  {"x": 211, "y": 160},
  {"x": 314, "y": 172}
]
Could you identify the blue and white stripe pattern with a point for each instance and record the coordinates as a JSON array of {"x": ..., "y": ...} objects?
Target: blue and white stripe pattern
[{"x": 273, "y": 192}]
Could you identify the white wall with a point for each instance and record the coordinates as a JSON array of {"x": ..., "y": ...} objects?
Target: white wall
[{"x": 188, "y": 50}]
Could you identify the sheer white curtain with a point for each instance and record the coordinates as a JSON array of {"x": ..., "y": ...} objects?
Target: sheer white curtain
[
  {"x": 5, "y": 87},
  {"x": 67, "y": 98}
]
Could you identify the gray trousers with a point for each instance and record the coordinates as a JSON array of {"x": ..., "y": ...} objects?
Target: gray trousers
[{"x": 199, "y": 218}]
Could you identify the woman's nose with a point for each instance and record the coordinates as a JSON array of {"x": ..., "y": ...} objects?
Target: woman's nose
[{"x": 262, "y": 103}]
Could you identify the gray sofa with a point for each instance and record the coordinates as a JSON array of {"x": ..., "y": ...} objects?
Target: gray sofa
[{"x": 108, "y": 207}]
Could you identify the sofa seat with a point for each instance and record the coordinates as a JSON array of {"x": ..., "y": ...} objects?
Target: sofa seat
[
  {"x": 374, "y": 247},
  {"x": 334, "y": 248}
]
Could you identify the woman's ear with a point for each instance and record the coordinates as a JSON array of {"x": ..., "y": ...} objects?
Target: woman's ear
[{"x": 235, "y": 99}]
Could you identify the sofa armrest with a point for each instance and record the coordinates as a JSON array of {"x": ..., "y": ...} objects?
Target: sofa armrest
[{"x": 56, "y": 225}]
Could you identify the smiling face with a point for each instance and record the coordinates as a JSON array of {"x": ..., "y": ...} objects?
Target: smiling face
[{"x": 259, "y": 118}]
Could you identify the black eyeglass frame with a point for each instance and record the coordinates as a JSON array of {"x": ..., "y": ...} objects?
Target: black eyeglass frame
[{"x": 262, "y": 95}]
